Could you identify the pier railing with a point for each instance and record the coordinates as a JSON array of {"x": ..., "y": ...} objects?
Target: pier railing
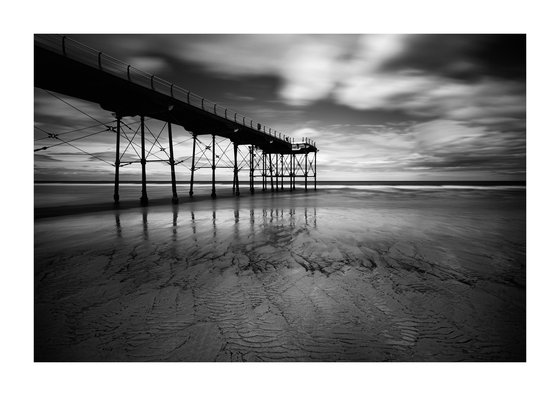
[{"x": 77, "y": 51}]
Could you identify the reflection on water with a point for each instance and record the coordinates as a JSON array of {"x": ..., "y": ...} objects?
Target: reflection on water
[
  {"x": 214, "y": 223},
  {"x": 145, "y": 222},
  {"x": 193, "y": 225},
  {"x": 175, "y": 215},
  {"x": 118, "y": 224},
  {"x": 231, "y": 221}
]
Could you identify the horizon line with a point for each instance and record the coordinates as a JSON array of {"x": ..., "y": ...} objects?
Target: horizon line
[{"x": 246, "y": 181}]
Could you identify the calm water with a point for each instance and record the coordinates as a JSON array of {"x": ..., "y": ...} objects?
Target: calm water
[{"x": 56, "y": 194}]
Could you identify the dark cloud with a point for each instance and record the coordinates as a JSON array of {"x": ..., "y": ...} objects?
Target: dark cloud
[
  {"x": 464, "y": 57},
  {"x": 329, "y": 112},
  {"x": 469, "y": 161}
]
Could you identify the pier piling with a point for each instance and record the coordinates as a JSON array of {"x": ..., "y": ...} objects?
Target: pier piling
[
  {"x": 174, "y": 199},
  {"x": 144, "y": 197},
  {"x": 213, "y": 166},
  {"x": 117, "y": 161}
]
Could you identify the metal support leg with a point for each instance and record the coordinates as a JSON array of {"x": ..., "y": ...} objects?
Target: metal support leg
[
  {"x": 290, "y": 172},
  {"x": 175, "y": 199},
  {"x": 144, "y": 197},
  {"x": 252, "y": 169},
  {"x": 293, "y": 178},
  {"x": 264, "y": 170},
  {"x": 235, "y": 171},
  {"x": 305, "y": 171},
  {"x": 276, "y": 172},
  {"x": 117, "y": 160},
  {"x": 315, "y": 173},
  {"x": 234, "y": 168},
  {"x": 192, "y": 165},
  {"x": 282, "y": 170},
  {"x": 271, "y": 174},
  {"x": 213, "y": 166}
]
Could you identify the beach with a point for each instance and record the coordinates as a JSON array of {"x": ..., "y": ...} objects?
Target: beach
[{"x": 337, "y": 274}]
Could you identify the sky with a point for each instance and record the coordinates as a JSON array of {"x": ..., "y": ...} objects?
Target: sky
[{"x": 379, "y": 107}]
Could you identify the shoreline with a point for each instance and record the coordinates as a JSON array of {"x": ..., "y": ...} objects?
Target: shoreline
[{"x": 202, "y": 198}]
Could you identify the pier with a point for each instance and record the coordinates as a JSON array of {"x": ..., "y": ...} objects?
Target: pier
[{"x": 221, "y": 137}]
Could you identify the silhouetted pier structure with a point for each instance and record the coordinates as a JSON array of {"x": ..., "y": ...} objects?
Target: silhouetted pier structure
[{"x": 68, "y": 67}]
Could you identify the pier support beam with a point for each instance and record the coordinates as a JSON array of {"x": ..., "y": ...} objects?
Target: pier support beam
[
  {"x": 213, "y": 166},
  {"x": 271, "y": 174},
  {"x": 252, "y": 169},
  {"x": 282, "y": 171},
  {"x": 144, "y": 197},
  {"x": 290, "y": 171},
  {"x": 276, "y": 172},
  {"x": 235, "y": 171},
  {"x": 315, "y": 173},
  {"x": 175, "y": 199},
  {"x": 293, "y": 173},
  {"x": 192, "y": 165},
  {"x": 264, "y": 170},
  {"x": 117, "y": 160},
  {"x": 306, "y": 171}
]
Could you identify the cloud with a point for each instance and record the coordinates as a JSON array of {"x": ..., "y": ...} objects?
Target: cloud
[
  {"x": 149, "y": 64},
  {"x": 453, "y": 144},
  {"x": 433, "y": 96},
  {"x": 437, "y": 149},
  {"x": 443, "y": 76},
  {"x": 464, "y": 57},
  {"x": 309, "y": 66},
  {"x": 375, "y": 91},
  {"x": 310, "y": 74},
  {"x": 446, "y": 135}
]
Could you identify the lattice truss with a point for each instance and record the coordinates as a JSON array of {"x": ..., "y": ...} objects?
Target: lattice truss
[
  {"x": 287, "y": 165},
  {"x": 97, "y": 141},
  {"x": 224, "y": 152}
]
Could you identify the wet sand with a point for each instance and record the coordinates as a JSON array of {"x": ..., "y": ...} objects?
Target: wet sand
[{"x": 332, "y": 275}]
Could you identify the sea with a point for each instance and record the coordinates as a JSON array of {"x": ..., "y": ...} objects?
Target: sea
[{"x": 57, "y": 194}]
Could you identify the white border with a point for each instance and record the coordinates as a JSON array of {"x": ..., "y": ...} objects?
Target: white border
[{"x": 538, "y": 19}]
